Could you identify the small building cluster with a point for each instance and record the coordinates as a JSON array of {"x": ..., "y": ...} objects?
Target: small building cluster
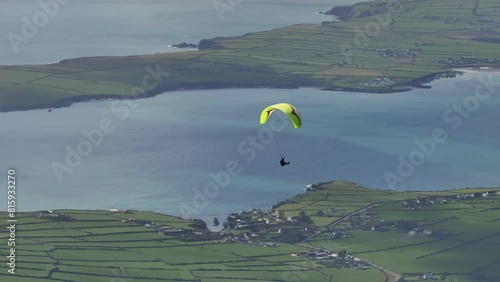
[
  {"x": 47, "y": 213},
  {"x": 120, "y": 211},
  {"x": 381, "y": 4},
  {"x": 477, "y": 195},
  {"x": 428, "y": 232},
  {"x": 466, "y": 60},
  {"x": 415, "y": 204},
  {"x": 332, "y": 259},
  {"x": 420, "y": 232},
  {"x": 379, "y": 82},
  {"x": 246, "y": 220},
  {"x": 258, "y": 218},
  {"x": 338, "y": 234},
  {"x": 167, "y": 230},
  {"x": 164, "y": 230},
  {"x": 426, "y": 276},
  {"x": 242, "y": 224},
  {"x": 408, "y": 53},
  {"x": 316, "y": 254},
  {"x": 52, "y": 215},
  {"x": 369, "y": 222},
  {"x": 272, "y": 225},
  {"x": 252, "y": 238}
]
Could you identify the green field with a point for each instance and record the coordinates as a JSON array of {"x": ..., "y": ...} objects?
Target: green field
[
  {"x": 98, "y": 246},
  {"x": 341, "y": 55}
]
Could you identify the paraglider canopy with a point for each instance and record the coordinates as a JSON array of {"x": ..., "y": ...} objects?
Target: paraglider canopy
[{"x": 286, "y": 108}]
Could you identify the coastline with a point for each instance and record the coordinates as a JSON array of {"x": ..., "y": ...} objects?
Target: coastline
[
  {"x": 343, "y": 238},
  {"x": 344, "y": 81},
  {"x": 67, "y": 102},
  {"x": 318, "y": 187}
]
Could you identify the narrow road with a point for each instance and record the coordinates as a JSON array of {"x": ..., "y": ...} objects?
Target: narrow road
[
  {"x": 337, "y": 221},
  {"x": 390, "y": 276}
]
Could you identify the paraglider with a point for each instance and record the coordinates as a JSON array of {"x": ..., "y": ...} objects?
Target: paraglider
[{"x": 292, "y": 113}]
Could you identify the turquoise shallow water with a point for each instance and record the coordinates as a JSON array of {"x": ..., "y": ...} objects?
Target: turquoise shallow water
[{"x": 168, "y": 145}]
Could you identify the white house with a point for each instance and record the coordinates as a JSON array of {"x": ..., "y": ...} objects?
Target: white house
[
  {"x": 429, "y": 276},
  {"x": 242, "y": 224}
]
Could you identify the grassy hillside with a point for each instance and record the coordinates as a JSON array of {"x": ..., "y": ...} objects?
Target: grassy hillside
[
  {"x": 107, "y": 246},
  {"x": 379, "y": 47}
]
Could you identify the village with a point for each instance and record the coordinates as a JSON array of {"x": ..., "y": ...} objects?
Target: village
[
  {"x": 408, "y": 53},
  {"x": 466, "y": 60},
  {"x": 264, "y": 228},
  {"x": 337, "y": 260},
  {"x": 450, "y": 62},
  {"x": 416, "y": 204},
  {"x": 269, "y": 227},
  {"x": 379, "y": 82}
]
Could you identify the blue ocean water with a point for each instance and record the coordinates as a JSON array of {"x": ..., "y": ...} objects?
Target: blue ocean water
[
  {"x": 161, "y": 155},
  {"x": 131, "y": 27},
  {"x": 163, "y": 150}
]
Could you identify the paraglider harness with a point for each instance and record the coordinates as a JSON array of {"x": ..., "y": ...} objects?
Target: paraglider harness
[{"x": 283, "y": 162}]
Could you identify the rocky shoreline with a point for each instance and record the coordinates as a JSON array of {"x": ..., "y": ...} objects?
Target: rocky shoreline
[
  {"x": 340, "y": 12},
  {"x": 184, "y": 45}
]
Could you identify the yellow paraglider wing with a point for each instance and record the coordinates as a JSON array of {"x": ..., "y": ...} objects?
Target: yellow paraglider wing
[{"x": 288, "y": 109}]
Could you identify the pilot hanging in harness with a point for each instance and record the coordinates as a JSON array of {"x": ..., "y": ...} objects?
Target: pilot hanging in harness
[{"x": 283, "y": 162}]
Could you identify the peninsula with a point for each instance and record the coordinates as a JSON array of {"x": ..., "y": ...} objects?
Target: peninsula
[{"x": 377, "y": 46}]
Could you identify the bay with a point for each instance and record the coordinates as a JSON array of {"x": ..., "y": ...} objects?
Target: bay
[
  {"x": 162, "y": 151},
  {"x": 161, "y": 156}
]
